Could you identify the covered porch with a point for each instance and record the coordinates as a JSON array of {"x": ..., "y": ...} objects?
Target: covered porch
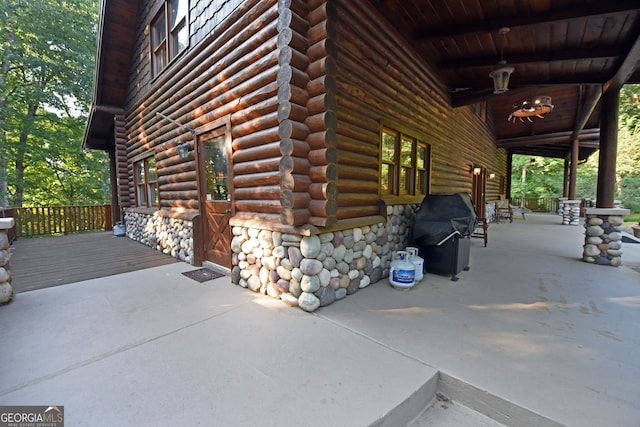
[{"x": 530, "y": 335}]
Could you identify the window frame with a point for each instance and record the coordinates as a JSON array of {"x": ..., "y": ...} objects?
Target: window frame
[
  {"x": 165, "y": 50},
  {"x": 148, "y": 189},
  {"x": 408, "y": 182}
]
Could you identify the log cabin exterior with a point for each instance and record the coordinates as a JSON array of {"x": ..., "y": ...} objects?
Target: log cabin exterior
[{"x": 289, "y": 141}]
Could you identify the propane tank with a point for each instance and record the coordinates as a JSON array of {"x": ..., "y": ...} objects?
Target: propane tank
[
  {"x": 417, "y": 260},
  {"x": 402, "y": 272}
]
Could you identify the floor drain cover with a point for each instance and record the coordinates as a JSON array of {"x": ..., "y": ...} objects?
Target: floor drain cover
[{"x": 202, "y": 274}]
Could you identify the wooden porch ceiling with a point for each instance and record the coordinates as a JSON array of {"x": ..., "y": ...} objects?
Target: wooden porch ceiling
[{"x": 571, "y": 50}]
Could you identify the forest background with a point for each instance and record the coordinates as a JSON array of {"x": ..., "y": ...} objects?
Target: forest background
[{"x": 47, "y": 51}]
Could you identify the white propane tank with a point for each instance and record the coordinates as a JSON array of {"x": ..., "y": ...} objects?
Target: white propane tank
[
  {"x": 417, "y": 260},
  {"x": 402, "y": 272},
  {"x": 119, "y": 229}
]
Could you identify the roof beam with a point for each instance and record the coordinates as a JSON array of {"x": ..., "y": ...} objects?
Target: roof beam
[
  {"x": 626, "y": 69},
  {"x": 570, "y": 54},
  {"x": 585, "y": 109},
  {"x": 493, "y": 25},
  {"x": 544, "y": 139}
]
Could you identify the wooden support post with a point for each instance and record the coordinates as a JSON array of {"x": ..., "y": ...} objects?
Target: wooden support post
[
  {"x": 113, "y": 181},
  {"x": 608, "y": 147},
  {"x": 575, "y": 147},
  {"x": 565, "y": 182}
]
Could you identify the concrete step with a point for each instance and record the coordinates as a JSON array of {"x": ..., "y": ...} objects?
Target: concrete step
[
  {"x": 454, "y": 403},
  {"x": 445, "y": 412}
]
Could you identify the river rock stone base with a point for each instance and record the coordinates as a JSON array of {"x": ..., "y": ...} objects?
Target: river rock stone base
[
  {"x": 571, "y": 212},
  {"x": 314, "y": 271},
  {"x": 172, "y": 236},
  {"x": 6, "y": 291},
  {"x": 603, "y": 239}
]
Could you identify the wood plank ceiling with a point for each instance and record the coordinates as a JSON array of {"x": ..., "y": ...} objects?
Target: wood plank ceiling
[{"x": 570, "y": 50}]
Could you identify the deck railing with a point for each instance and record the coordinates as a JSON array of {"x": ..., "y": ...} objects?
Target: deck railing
[
  {"x": 543, "y": 204},
  {"x": 55, "y": 220}
]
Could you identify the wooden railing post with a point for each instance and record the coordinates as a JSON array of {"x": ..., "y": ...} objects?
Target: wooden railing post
[{"x": 108, "y": 221}]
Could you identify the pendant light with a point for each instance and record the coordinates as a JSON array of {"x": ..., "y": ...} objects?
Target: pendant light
[{"x": 501, "y": 74}]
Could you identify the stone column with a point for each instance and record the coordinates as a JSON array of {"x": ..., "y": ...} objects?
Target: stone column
[
  {"x": 571, "y": 212},
  {"x": 561, "y": 201},
  {"x": 6, "y": 291},
  {"x": 603, "y": 236}
]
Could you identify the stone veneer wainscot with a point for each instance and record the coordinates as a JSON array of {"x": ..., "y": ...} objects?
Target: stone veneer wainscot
[
  {"x": 169, "y": 235},
  {"x": 314, "y": 271},
  {"x": 6, "y": 291}
]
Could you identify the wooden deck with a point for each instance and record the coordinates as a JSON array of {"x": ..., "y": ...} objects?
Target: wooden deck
[{"x": 51, "y": 261}]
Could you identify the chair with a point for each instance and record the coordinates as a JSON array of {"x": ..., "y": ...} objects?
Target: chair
[
  {"x": 481, "y": 230},
  {"x": 504, "y": 210}
]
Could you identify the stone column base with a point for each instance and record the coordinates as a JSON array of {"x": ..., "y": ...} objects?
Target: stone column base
[
  {"x": 6, "y": 291},
  {"x": 571, "y": 212},
  {"x": 603, "y": 236}
]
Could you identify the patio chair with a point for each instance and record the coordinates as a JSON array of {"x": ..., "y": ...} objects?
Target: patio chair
[
  {"x": 481, "y": 230},
  {"x": 504, "y": 210}
]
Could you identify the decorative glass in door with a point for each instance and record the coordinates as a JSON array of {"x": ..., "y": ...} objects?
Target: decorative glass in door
[{"x": 215, "y": 163}]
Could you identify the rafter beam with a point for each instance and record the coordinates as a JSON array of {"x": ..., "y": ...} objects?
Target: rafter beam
[
  {"x": 493, "y": 25},
  {"x": 544, "y": 139},
  {"x": 589, "y": 102},
  {"x": 626, "y": 69},
  {"x": 516, "y": 58}
]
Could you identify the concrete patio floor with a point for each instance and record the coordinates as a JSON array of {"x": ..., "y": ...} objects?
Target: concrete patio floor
[{"x": 529, "y": 328}]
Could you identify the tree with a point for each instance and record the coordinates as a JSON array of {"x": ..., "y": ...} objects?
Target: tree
[
  {"x": 628, "y": 156},
  {"x": 47, "y": 48},
  {"x": 544, "y": 177}
]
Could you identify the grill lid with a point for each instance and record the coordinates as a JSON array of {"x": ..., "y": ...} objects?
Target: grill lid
[{"x": 442, "y": 216}]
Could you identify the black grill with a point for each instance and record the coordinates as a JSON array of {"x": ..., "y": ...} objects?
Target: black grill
[{"x": 442, "y": 232}]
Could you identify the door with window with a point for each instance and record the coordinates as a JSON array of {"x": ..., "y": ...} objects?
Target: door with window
[
  {"x": 215, "y": 195},
  {"x": 479, "y": 189}
]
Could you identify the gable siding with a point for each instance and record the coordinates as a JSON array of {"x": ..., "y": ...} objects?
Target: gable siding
[
  {"x": 204, "y": 17},
  {"x": 380, "y": 79}
]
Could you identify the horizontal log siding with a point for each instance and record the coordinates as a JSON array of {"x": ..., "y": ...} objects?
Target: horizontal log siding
[
  {"x": 232, "y": 73},
  {"x": 380, "y": 78},
  {"x": 321, "y": 106}
]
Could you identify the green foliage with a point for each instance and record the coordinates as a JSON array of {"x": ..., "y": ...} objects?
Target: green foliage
[
  {"x": 536, "y": 177},
  {"x": 544, "y": 177},
  {"x": 47, "y": 49}
]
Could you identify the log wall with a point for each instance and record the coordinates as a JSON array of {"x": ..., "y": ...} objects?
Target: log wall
[
  {"x": 122, "y": 165},
  {"x": 233, "y": 73},
  {"x": 379, "y": 80},
  {"x": 305, "y": 86}
]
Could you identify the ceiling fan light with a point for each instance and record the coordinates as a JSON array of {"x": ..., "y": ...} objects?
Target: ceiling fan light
[{"x": 500, "y": 78}]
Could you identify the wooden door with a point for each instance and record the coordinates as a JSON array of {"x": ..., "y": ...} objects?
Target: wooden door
[
  {"x": 478, "y": 190},
  {"x": 215, "y": 196}
]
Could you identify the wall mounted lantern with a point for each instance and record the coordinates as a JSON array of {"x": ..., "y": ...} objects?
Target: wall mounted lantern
[
  {"x": 183, "y": 147},
  {"x": 183, "y": 150},
  {"x": 477, "y": 170}
]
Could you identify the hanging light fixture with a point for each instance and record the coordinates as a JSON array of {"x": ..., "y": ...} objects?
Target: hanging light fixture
[
  {"x": 528, "y": 108},
  {"x": 501, "y": 74}
]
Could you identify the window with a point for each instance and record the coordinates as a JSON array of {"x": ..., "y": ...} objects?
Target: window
[
  {"x": 480, "y": 110},
  {"x": 404, "y": 165},
  {"x": 171, "y": 20},
  {"x": 146, "y": 179}
]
